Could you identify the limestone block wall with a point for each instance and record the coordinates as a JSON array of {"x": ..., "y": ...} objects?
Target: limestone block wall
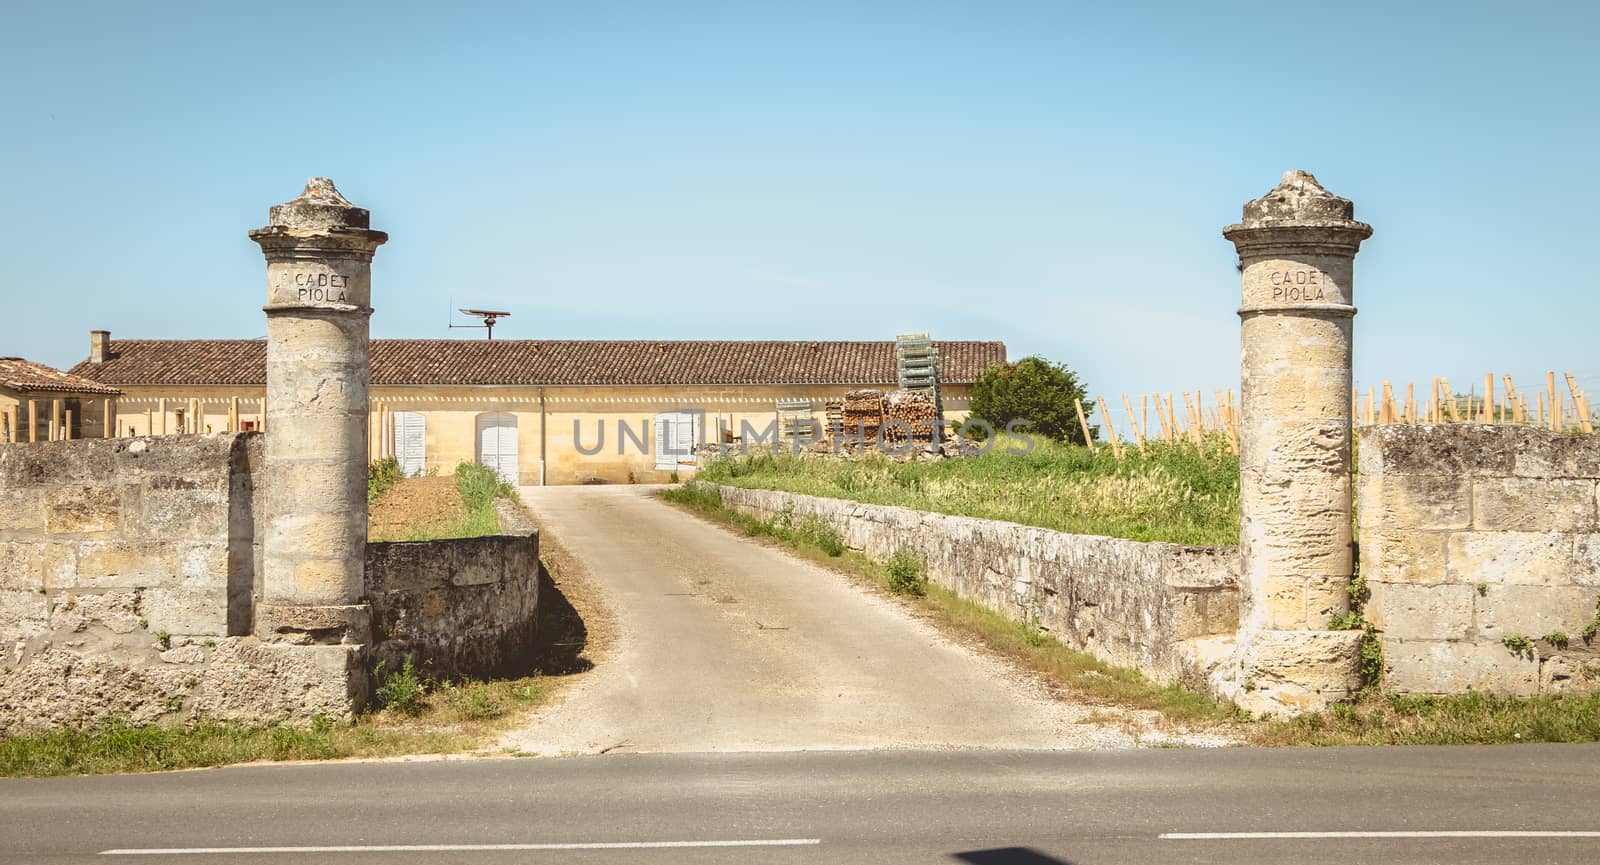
[
  {"x": 127, "y": 575},
  {"x": 1129, "y": 603},
  {"x": 1471, "y": 534},
  {"x": 457, "y": 607}
]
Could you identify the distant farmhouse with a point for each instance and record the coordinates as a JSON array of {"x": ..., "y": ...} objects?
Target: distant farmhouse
[
  {"x": 39, "y": 403},
  {"x": 533, "y": 409}
]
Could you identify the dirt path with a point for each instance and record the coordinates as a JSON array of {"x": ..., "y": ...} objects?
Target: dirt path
[
  {"x": 414, "y": 505},
  {"x": 726, "y": 645}
]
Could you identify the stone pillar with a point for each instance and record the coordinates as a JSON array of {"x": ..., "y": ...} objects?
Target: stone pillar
[
  {"x": 1297, "y": 246},
  {"x": 319, "y": 287}
]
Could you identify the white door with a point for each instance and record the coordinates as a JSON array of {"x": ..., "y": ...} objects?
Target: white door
[
  {"x": 676, "y": 435},
  {"x": 411, "y": 442},
  {"x": 497, "y": 444}
]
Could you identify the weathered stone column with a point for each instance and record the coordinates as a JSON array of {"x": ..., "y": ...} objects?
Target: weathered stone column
[
  {"x": 1297, "y": 246},
  {"x": 319, "y": 287}
]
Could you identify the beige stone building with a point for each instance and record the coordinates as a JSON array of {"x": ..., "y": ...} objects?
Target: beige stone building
[
  {"x": 539, "y": 411},
  {"x": 40, "y": 403}
]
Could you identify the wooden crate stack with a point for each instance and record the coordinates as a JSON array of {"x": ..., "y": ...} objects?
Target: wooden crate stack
[
  {"x": 863, "y": 413},
  {"x": 916, "y": 412}
]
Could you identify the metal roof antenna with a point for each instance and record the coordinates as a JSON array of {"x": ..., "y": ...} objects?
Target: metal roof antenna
[{"x": 489, "y": 316}]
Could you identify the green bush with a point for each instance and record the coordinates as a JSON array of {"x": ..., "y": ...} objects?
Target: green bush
[
  {"x": 381, "y": 475},
  {"x": 401, "y": 690},
  {"x": 480, "y": 486},
  {"x": 904, "y": 574},
  {"x": 1044, "y": 394},
  {"x": 822, "y": 536}
]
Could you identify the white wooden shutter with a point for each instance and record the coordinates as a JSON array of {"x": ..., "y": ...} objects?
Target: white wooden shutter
[
  {"x": 497, "y": 444},
  {"x": 666, "y": 460},
  {"x": 411, "y": 439}
]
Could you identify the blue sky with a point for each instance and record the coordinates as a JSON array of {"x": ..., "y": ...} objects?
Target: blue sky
[{"x": 1054, "y": 175}]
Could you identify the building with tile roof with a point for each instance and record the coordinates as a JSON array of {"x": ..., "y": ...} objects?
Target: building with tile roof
[
  {"x": 535, "y": 409},
  {"x": 41, "y": 403}
]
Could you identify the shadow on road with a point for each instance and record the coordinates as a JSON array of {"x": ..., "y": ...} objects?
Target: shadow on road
[
  {"x": 1007, "y": 856},
  {"x": 563, "y": 636}
]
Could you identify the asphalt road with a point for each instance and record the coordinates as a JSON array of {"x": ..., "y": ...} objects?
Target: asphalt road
[
  {"x": 725, "y": 644},
  {"x": 984, "y": 807}
]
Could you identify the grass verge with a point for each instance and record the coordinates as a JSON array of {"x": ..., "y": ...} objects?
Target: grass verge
[
  {"x": 1025, "y": 645},
  {"x": 1473, "y": 718},
  {"x": 447, "y": 718},
  {"x": 1180, "y": 493}
]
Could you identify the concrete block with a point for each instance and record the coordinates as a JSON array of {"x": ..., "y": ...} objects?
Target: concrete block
[
  {"x": 1470, "y": 449},
  {"x": 203, "y": 564},
  {"x": 23, "y": 614},
  {"x": 29, "y": 566},
  {"x": 81, "y": 509},
  {"x": 1440, "y": 667},
  {"x": 1524, "y": 558},
  {"x": 192, "y": 612},
  {"x": 171, "y": 514},
  {"x": 1297, "y": 671},
  {"x": 1404, "y": 556},
  {"x": 262, "y": 683},
  {"x": 21, "y": 566},
  {"x": 1534, "y": 505},
  {"x": 1437, "y": 502},
  {"x": 1421, "y": 612},
  {"x": 126, "y": 564},
  {"x": 1532, "y": 611},
  {"x": 22, "y": 511},
  {"x": 120, "y": 612},
  {"x": 1586, "y": 560}
]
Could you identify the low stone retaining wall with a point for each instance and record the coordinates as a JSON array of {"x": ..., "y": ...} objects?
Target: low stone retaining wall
[
  {"x": 459, "y": 606},
  {"x": 1127, "y": 602}
]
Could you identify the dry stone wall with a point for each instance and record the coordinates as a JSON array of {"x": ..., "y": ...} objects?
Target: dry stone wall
[
  {"x": 127, "y": 574},
  {"x": 1474, "y": 535},
  {"x": 130, "y": 587},
  {"x": 457, "y": 607},
  {"x": 1149, "y": 606}
]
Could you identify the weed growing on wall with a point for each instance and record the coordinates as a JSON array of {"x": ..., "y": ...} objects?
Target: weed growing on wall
[
  {"x": 1371, "y": 643},
  {"x": 1519, "y": 645},
  {"x": 401, "y": 690},
  {"x": 905, "y": 574}
]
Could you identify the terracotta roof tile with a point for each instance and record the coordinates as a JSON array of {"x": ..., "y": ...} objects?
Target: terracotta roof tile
[
  {"x": 28, "y": 377},
  {"x": 553, "y": 362}
]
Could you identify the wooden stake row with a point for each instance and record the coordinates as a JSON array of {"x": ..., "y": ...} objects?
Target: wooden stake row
[
  {"x": 1550, "y": 408},
  {"x": 1192, "y": 426}
]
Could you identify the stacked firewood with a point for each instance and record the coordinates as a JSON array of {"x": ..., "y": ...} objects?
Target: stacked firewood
[
  {"x": 863, "y": 413},
  {"x": 914, "y": 412}
]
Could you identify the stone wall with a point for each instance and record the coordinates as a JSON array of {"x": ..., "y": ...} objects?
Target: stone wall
[
  {"x": 1149, "y": 606},
  {"x": 457, "y": 607},
  {"x": 127, "y": 576},
  {"x": 1474, "y": 534}
]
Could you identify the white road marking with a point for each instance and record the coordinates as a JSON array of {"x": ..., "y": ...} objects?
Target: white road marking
[
  {"x": 463, "y": 848},
  {"x": 1486, "y": 833}
]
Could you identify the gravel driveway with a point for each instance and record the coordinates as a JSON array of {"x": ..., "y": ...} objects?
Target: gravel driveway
[{"x": 725, "y": 644}]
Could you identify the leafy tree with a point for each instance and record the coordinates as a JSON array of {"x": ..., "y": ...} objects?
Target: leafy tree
[{"x": 1034, "y": 390}]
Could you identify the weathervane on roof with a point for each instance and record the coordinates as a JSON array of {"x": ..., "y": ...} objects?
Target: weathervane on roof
[{"x": 489, "y": 317}]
